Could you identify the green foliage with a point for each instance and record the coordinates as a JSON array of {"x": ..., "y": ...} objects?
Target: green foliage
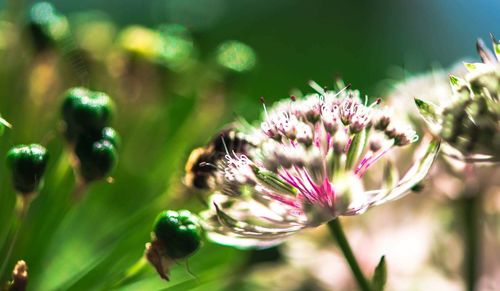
[
  {"x": 90, "y": 243},
  {"x": 428, "y": 111},
  {"x": 380, "y": 275},
  {"x": 3, "y": 125}
]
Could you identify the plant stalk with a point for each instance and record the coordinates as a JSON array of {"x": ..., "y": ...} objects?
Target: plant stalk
[
  {"x": 131, "y": 272},
  {"x": 339, "y": 235},
  {"x": 471, "y": 240},
  {"x": 22, "y": 217}
]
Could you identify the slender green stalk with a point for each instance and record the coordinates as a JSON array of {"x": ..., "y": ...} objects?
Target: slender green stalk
[
  {"x": 339, "y": 235},
  {"x": 471, "y": 240},
  {"x": 22, "y": 216},
  {"x": 79, "y": 190},
  {"x": 131, "y": 272}
]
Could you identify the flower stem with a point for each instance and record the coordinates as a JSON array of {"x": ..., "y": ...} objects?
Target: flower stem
[
  {"x": 25, "y": 202},
  {"x": 339, "y": 235},
  {"x": 131, "y": 272},
  {"x": 471, "y": 240}
]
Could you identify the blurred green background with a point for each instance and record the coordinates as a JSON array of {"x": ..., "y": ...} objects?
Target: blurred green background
[
  {"x": 296, "y": 41},
  {"x": 164, "y": 110},
  {"x": 300, "y": 40}
]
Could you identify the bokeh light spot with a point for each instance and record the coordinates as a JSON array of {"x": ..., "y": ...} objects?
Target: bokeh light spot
[
  {"x": 236, "y": 56},
  {"x": 177, "y": 49},
  {"x": 140, "y": 40}
]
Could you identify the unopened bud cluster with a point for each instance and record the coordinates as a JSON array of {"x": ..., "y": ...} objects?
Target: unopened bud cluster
[
  {"x": 87, "y": 115},
  {"x": 470, "y": 122}
]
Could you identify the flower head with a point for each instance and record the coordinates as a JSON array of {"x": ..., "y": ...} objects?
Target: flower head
[
  {"x": 469, "y": 120},
  {"x": 450, "y": 177},
  {"x": 310, "y": 164}
]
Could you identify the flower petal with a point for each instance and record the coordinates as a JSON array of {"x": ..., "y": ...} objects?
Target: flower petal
[{"x": 414, "y": 175}]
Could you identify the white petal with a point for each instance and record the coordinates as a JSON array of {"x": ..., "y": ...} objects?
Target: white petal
[{"x": 416, "y": 174}]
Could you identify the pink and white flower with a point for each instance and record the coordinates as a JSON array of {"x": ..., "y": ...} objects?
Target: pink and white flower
[{"x": 315, "y": 159}]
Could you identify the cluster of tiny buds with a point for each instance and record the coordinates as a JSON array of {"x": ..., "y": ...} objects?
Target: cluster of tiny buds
[
  {"x": 297, "y": 121},
  {"x": 234, "y": 169}
]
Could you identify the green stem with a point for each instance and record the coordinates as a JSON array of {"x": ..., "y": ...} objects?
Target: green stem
[
  {"x": 471, "y": 240},
  {"x": 22, "y": 216},
  {"x": 131, "y": 272},
  {"x": 339, "y": 235}
]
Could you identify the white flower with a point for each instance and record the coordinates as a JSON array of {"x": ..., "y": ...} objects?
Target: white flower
[{"x": 310, "y": 165}]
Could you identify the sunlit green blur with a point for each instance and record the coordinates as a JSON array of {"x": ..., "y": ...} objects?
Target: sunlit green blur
[{"x": 236, "y": 56}]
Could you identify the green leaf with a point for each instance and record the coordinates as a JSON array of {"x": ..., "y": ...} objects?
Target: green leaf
[
  {"x": 469, "y": 66},
  {"x": 459, "y": 83},
  {"x": 5, "y": 123},
  {"x": 273, "y": 181},
  {"x": 496, "y": 47},
  {"x": 428, "y": 111},
  {"x": 391, "y": 176},
  {"x": 356, "y": 148},
  {"x": 380, "y": 275}
]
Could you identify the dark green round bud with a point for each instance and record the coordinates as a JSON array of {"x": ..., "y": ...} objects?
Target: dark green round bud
[
  {"x": 107, "y": 133},
  {"x": 110, "y": 134},
  {"x": 27, "y": 163},
  {"x": 86, "y": 112},
  {"x": 178, "y": 233},
  {"x": 46, "y": 25},
  {"x": 97, "y": 158}
]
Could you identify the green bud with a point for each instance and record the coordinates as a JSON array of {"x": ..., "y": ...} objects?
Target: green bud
[
  {"x": 178, "y": 233},
  {"x": 86, "y": 112},
  {"x": 110, "y": 134},
  {"x": 470, "y": 126},
  {"x": 97, "y": 158},
  {"x": 107, "y": 133},
  {"x": 27, "y": 163},
  {"x": 46, "y": 25}
]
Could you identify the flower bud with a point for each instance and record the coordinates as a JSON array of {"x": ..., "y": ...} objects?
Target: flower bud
[
  {"x": 86, "y": 112},
  {"x": 97, "y": 158},
  {"x": 46, "y": 25},
  {"x": 27, "y": 163},
  {"x": 471, "y": 126},
  {"x": 381, "y": 119},
  {"x": 178, "y": 232},
  {"x": 110, "y": 134},
  {"x": 176, "y": 235}
]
